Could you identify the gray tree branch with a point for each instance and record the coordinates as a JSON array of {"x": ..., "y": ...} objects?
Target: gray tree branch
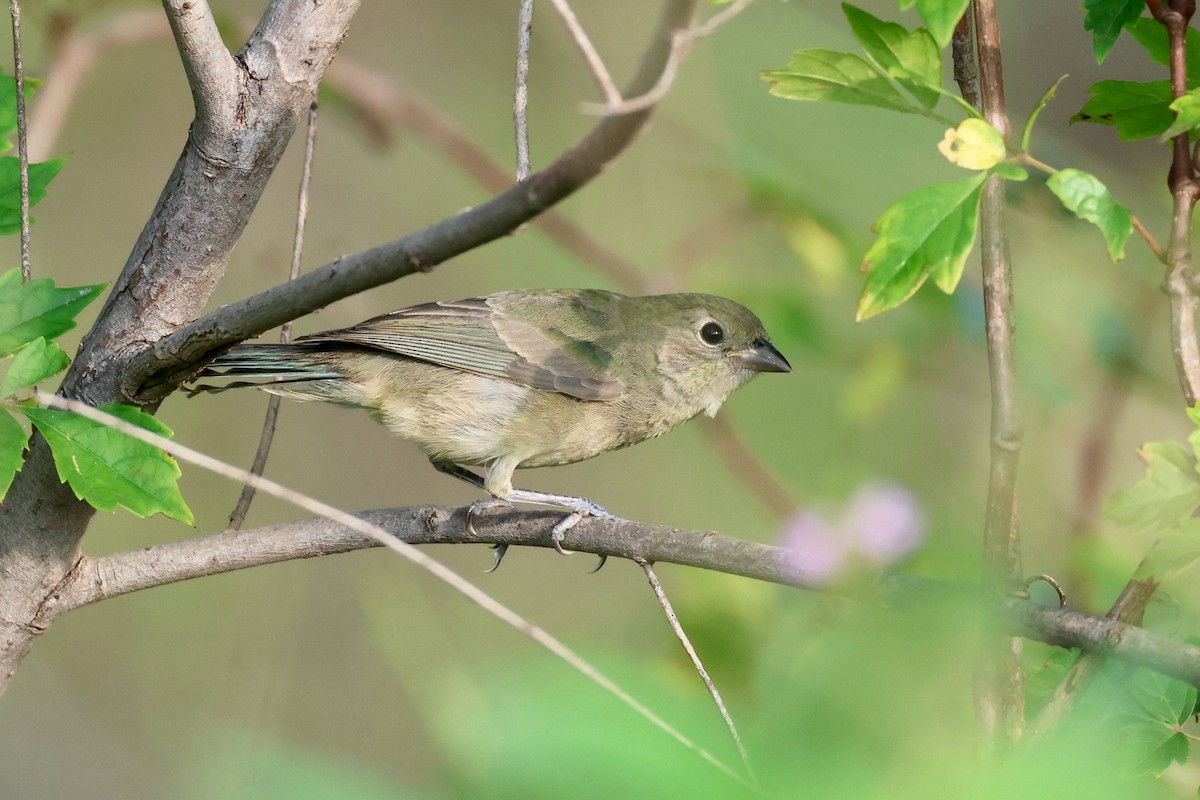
[
  {"x": 103, "y": 577},
  {"x": 246, "y": 110}
]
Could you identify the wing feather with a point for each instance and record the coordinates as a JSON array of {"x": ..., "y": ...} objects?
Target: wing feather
[{"x": 475, "y": 336}]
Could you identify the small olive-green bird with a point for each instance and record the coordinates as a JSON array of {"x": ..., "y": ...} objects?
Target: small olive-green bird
[{"x": 526, "y": 378}]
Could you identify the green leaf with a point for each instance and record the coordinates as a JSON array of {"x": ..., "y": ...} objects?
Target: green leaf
[
  {"x": 1105, "y": 19},
  {"x": 1187, "y": 114},
  {"x": 1090, "y": 200},
  {"x": 929, "y": 231},
  {"x": 109, "y": 469},
  {"x": 37, "y": 308},
  {"x": 940, "y": 16},
  {"x": 914, "y": 54},
  {"x": 8, "y": 106},
  {"x": 836, "y": 77},
  {"x": 973, "y": 145},
  {"x": 1152, "y": 35},
  {"x": 1010, "y": 172},
  {"x": 34, "y": 362},
  {"x": 40, "y": 176},
  {"x": 1137, "y": 110},
  {"x": 1046, "y": 98},
  {"x": 1175, "y": 549},
  {"x": 1166, "y": 496},
  {"x": 12, "y": 448}
]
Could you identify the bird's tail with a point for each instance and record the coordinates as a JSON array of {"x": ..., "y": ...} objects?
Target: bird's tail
[{"x": 267, "y": 365}]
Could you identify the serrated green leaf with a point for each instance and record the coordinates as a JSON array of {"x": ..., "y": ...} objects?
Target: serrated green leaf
[
  {"x": 40, "y": 175},
  {"x": 1167, "y": 495},
  {"x": 974, "y": 144},
  {"x": 1187, "y": 114},
  {"x": 927, "y": 232},
  {"x": 1152, "y": 35},
  {"x": 940, "y": 16},
  {"x": 109, "y": 469},
  {"x": 1136, "y": 110},
  {"x": 12, "y": 450},
  {"x": 1033, "y": 115},
  {"x": 37, "y": 308},
  {"x": 914, "y": 54},
  {"x": 836, "y": 77},
  {"x": 1106, "y": 19},
  {"x": 1089, "y": 199},
  {"x": 34, "y": 362}
]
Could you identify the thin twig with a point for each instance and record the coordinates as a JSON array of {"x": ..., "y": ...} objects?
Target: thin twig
[
  {"x": 655, "y": 584},
  {"x": 285, "y": 333},
  {"x": 521, "y": 93},
  {"x": 14, "y": 8},
  {"x": 1001, "y": 698},
  {"x": 211, "y": 71},
  {"x": 408, "y": 551},
  {"x": 612, "y": 95},
  {"x": 681, "y": 44}
]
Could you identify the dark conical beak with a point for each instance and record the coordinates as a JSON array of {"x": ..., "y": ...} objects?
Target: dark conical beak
[{"x": 761, "y": 357}]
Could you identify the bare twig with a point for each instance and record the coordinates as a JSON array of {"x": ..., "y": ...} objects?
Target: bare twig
[
  {"x": 1001, "y": 698},
  {"x": 380, "y": 536},
  {"x": 379, "y": 96},
  {"x": 680, "y": 634},
  {"x": 521, "y": 93},
  {"x": 612, "y": 95},
  {"x": 14, "y": 7},
  {"x": 681, "y": 45},
  {"x": 285, "y": 334}
]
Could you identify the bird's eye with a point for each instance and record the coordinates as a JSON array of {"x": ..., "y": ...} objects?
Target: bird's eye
[{"x": 712, "y": 333}]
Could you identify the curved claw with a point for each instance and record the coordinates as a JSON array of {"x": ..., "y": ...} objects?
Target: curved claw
[
  {"x": 480, "y": 505},
  {"x": 560, "y": 530},
  {"x": 599, "y": 565},
  {"x": 500, "y": 550}
]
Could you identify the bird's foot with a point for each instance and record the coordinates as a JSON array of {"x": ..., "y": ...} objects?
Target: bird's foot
[
  {"x": 586, "y": 508},
  {"x": 483, "y": 505}
]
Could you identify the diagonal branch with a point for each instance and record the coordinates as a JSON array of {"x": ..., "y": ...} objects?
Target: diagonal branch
[{"x": 156, "y": 371}]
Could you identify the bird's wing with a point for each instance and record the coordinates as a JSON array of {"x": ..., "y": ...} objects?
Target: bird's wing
[{"x": 473, "y": 336}]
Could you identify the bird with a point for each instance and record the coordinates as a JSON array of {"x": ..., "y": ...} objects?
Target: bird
[{"x": 521, "y": 378}]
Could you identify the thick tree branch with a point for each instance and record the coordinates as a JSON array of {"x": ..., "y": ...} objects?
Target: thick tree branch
[
  {"x": 155, "y": 372},
  {"x": 173, "y": 269},
  {"x": 102, "y": 577},
  {"x": 211, "y": 72}
]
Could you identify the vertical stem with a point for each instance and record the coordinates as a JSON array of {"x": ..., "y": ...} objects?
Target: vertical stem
[
  {"x": 1181, "y": 179},
  {"x": 14, "y": 8},
  {"x": 238, "y": 516},
  {"x": 1001, "y": 698},
  {"x": 521, "y": 94}
]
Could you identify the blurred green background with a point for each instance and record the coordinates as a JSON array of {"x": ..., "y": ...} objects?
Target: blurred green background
[{"x": 357, "y": 676}]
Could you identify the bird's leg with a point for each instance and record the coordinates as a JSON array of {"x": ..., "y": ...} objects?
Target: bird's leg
[
  {"x": 464, "y": 474},
  {"x": 579, "y": 507},
  {"x": 499, "y": 485}
]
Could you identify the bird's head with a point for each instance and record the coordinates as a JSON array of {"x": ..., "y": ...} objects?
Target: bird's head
[{"x": 708, "y": 347}]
